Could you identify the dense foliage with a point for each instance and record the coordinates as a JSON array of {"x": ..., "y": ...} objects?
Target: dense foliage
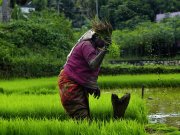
[
  {"x": 150, "y": 39},
  {"x": 132, "y": 69},
  {"x": 121, "y": 13},
  {"x": 32, "y": 47},
  {"x": 128, "y": 13},
  {"x": 37, "y": 44}
]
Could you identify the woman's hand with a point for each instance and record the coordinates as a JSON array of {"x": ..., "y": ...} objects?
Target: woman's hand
[
  {"x": 108, "y": 42},
  {"x": 95, "y": 92}
]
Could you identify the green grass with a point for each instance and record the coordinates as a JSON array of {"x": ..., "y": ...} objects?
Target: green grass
[
  {"x": 43, "y": 115},
  {"x": 49, "y": 85},
  {"x": 69, "y": 127},
  {"x": 149, "y": 80},
  {"x": 37, "y": 85},
  {"x": 161, "y": 129},
  {"x": 49, "y": 106}
]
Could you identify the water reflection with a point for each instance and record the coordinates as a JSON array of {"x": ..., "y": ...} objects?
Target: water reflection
[{"x": 171, "y": 119}]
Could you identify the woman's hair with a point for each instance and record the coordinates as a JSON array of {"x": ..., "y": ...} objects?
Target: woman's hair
[{"x": 103, "y": 28}]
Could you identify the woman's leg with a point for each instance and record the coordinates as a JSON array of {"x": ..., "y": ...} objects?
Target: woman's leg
[{"x": 74, "y": 98}]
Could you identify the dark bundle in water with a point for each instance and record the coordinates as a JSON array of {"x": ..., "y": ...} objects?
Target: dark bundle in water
[{"x": 119, "y": 105}]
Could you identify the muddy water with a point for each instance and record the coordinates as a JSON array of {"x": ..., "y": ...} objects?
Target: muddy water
[{"x": 163, "y": 104}]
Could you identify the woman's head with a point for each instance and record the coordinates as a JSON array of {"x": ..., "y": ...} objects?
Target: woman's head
[{"x": 103, "y": 32}]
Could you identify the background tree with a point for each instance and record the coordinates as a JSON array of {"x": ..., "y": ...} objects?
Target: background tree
[{"x": 121, "y": 13}]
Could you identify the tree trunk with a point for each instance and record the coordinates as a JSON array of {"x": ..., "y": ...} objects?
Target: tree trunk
[
  {"x": 49, "y": 4},
  {"x": 5, "y": 17}
]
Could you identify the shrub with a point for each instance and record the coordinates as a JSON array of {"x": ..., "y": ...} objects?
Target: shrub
[
  {"x": 35, "y": 47},
  {"x": 130, "y": 69},
  {"x": 149, "y": 39}
]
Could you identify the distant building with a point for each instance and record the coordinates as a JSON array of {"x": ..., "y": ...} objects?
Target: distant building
[
  {"x": 160, "y": 17},
  {"x": 28, "y": 7},
  {"x": 25, "y": 9}
]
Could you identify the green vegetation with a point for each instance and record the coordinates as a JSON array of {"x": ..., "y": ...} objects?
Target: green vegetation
[
  {"x": 29, "y": 85},
  {"x": 37, "y": 45},
  {"x": 151, "y": 80},
  {"x": 48, "y": 106},
  {"x": 69, "y": 127},
  {"x": 128, "y": 13},
  {"x": 48, "y": 85},
  {"x": 161, "y": 129},
  {"x": 37, "y": 114},
  {"x": 152, "y": 40},
  {"x": 117, "y": 69},
  {"x": 34, "y": 113},
  {"x": 34, "y": 47},
  {"x": 121, "y": 13}
]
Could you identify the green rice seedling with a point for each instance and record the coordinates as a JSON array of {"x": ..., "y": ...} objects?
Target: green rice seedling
[
  {"x": 132, "y": 81},
  {"x": 50, "y": 85},
  {"x": 69, "y": 127},
  {"x": 25, "y": 106},
  {"x": 136, "y": 110},
  {"x": 161, "y": 129},
  {"x": 29, "y": 85},
  {"x": 49, "y": 106}
]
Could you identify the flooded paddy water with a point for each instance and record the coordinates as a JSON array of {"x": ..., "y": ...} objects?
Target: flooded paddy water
[{"x": 163, "y": 104}]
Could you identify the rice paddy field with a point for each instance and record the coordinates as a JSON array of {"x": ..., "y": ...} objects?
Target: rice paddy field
[
  {"x": 49, "y": 85},
  {"x": 32, "y": 107}
]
